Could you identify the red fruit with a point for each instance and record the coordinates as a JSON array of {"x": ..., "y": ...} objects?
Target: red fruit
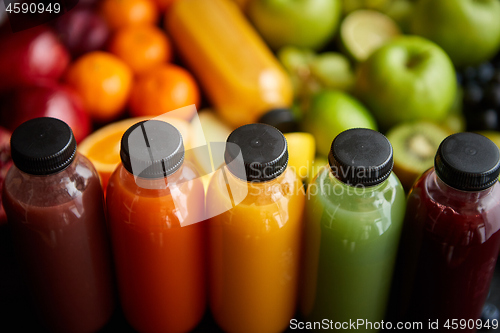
[
  {"x": 50, "y": 100},
  {"x": 5, "y": 164},
  {"x": 82, "y": 30},
  {"x": 30, "y": 57}
]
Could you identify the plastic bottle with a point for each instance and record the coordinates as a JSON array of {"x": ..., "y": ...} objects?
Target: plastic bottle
[
  {"x": 353, "y": 224},
  {"x": 155, "y": 202},
  {"x": 54, "y": 204},
  {"x": 238, "y": 72},
  {"x": 451, "y": 236},
  {"x": 255, "y": 245}
]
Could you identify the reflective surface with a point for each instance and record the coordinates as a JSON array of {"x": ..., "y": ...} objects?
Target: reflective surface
[
  {"x": 59, "y": 233},
  {"x": 449, "y": 249},
  {"x": 351, "y": 240},
  {"x": 159, "y": 248},
  {"x": 255, "y": 249}
]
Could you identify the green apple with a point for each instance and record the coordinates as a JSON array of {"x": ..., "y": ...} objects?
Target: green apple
[
  {"x": 468, "y": 30},
  {"x": 410, "y": 78},
  {"x": 301, "y": 23},
  {"x": 332, "y": 112},
  {"x": 400, "y": 11},
  {"x": 333, "y": 71},
  {"x": 311, "y": 72},
  {"x": 364, "y": 30}
]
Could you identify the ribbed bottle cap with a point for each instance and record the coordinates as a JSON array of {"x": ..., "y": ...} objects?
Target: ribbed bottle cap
[
  {"x": 468, "y": 162},
  {"x": 263, "y": 149},
  {"x": 43, "y": 146},
  {"x": 152, "y": 149},
  {"x": 283, "y": 119},
  {"x": 361, "y": 156}
]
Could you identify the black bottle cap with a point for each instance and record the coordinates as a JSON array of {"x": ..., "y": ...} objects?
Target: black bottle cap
[
  {"x": 152, "y": 149},
  {"x": 283, "y": 119},
  {"x": 361, "y": 156},
  {"x": 468, "y": 162},
  {"x": 43, "y": 146},
  {"x": 263, "y": 149}
]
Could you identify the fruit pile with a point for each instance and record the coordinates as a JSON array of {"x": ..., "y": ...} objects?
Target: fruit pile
[
  {"x": 416, "y": 70},
  {"x": 314, "y": 67}
]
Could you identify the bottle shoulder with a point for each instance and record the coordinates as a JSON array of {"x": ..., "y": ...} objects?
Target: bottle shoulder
[
  {"x": 78, "y": 178},
  {"x": 430, "y": 191},
  {"x": 329, "y": 191},
  {"x": 255, "y": 209}
]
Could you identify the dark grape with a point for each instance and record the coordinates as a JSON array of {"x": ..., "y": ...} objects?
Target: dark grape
[
  {"x": 490, "y": 312},
  {"x": 485, "y": 72},
  {"x": 492, "y": 95}
]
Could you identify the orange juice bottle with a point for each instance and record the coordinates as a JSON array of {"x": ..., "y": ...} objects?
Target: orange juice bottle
[
  {"x": 154, "y": 201},
  {"x": 238, "y": 72},
  {"x": 254, "y": 245}
]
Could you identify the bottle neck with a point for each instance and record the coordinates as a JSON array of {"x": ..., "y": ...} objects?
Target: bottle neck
[
  {"x": 162, "y": 183},
  {"x": 355, "y": 189},
  {"x": 459, "y": 194}
]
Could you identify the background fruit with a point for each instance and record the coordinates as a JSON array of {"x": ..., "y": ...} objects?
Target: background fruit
[
  {"x": 5, "y": 164},
  {"x": 481, "y": 96},
  {"x": 163, "y": 89},
  {"x": 410, "y": 78},
  {"x": 318, "y": 163},
  {"x": 51, "y": 100},
  {"x": 31, "y": 56},
  {"x": 102, "y": 147},
  {"x": 468, "y": 30},
  {"x": 310, "y": 72},
  {"x": 122, "y": 13},
  {"x": 164, "y": 5},
  {"x": 301, "y": 23},
  {"x": 332, "y": 112},
  {"x": 363, "y": 31},
  {"x": 415, "y": 145},
  {"x": 301, "y": 152},
  {"x": 103, "y": 81},
  {"x": 208, "y": 129},
  {"x": 141, "y": 48},
  {"x": 82, "y": 30}
]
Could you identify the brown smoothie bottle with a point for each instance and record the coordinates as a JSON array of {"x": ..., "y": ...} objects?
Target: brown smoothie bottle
[{"x": 54, "y": 205}]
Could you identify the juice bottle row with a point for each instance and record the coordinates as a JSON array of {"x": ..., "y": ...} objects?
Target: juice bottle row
[{"x": 256, "y": 246}]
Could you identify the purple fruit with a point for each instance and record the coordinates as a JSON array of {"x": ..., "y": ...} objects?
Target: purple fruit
[{"x": 82, "y": 30}]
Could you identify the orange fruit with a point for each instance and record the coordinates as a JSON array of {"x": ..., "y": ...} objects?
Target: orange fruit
[
  {"x": 141, "y": 48},
  {"x": 102, "y": 147},
  {"x": 103, "y": 81},
  {"x": 163, "y": 89},
  {"x": 122, "y": 13}
]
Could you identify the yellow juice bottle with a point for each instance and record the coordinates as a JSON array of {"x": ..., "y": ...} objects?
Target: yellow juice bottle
[
  {"x": 238, "y": 72},
  {"x": 255, "y": 245}
]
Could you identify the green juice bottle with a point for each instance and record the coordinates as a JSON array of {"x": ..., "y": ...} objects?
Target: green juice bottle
[{"x": 353, "y": 223}]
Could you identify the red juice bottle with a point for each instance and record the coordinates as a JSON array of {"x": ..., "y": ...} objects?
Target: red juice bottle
[
  {"x": 54, "y": 204},
  {"x": 451, "y": 235}
]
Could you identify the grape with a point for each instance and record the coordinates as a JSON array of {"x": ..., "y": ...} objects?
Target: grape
[
  {"x": 485, "y": 72},
  {"x": 482, "y": 120},
  {"x": 473, "y": 94},
  {"x": 492, "y": 95}
]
